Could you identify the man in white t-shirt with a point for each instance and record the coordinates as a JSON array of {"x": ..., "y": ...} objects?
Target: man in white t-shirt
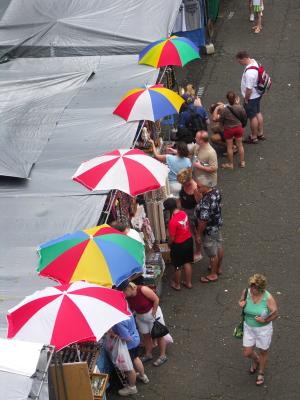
[{"x": 251, "y": 96}]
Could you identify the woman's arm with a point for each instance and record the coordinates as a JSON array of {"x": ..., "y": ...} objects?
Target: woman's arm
[
  {"x": 159, "y": 157},
  {"x": 242, "y": 302},
  {"x": 216, "y": 113},
  {"x": 147, "y": 292},
  {"x": 272, "y": 306}
]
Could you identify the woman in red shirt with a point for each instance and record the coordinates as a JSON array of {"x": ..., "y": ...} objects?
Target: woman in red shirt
[
  {"x": 181, "y": 244},
  {"x": 145, "y": 303}
]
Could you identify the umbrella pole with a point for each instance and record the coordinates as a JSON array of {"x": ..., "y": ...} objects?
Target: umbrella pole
[
  {"x": 78, "y": 352},
  {"x": 113, "y": 197}
]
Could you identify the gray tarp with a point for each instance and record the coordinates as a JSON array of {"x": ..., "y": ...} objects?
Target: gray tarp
[
  {"x": 49, "y": 204},
  {"x": 84, "y": 27}
]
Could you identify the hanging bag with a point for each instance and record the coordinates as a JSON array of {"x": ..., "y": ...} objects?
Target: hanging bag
[
  {"x": 158, "y": 330},
  {"x": 119, "y": 354},
  {"x": 238, "y": 331}
]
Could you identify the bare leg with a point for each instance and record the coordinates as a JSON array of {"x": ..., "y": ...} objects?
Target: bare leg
[
  {"x": 188, "y": 275},
  {"x": 254, "y": 127},
  {"x": 220, "y": 259},
  {"x": 214, "y": 263},
  {"x": 139, "y": 366},
  {"x": 162, "y": 345},
  {"x": 263, "y": 358},
  {"x": 249, "y": 352},
  {"x": 176, "y": 280},
  {"x": 239, "y": 143},
  {"x": 229, "y": 143},
  {"x": 131, "y": 376},
  {"x": 148, "y": 344},
  {"x": 260, "y": 120}
]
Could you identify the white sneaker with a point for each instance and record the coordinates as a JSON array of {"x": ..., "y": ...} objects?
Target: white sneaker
[
  {"x": 128, "y": 391},
  {"x": 143, "y": 378},
  {"x": 251, "y": 17}
]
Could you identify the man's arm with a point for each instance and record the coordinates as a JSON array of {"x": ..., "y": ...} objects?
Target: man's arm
[{"x": 247, "y": 95}]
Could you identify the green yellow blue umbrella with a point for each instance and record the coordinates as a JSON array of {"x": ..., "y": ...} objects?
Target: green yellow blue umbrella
[
  {"x": 174, "y": 50},
  {"x": 99, "y": 255}
]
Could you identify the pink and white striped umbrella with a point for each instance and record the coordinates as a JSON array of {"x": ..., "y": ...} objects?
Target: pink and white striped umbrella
[
  {"x": 130, "y": 170},
  {"x": 67, "y": 314}
]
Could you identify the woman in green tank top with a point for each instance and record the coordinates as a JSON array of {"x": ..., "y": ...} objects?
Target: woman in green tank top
[{"x": 260, "y": 310}]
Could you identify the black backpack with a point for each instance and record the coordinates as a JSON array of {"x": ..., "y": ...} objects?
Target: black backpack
[{"x": 196, "y": 123}]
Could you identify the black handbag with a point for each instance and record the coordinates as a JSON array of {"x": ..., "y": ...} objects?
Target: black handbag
[
  {"x": 158, "y": 330},
  {"x": 238, "y": 331}
]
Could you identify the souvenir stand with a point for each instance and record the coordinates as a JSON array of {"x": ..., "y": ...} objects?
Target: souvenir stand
[{"x": 73, "y": 376}]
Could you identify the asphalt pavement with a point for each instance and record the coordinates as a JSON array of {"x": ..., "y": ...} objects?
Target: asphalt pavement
[{"x": 261, "y": 226}]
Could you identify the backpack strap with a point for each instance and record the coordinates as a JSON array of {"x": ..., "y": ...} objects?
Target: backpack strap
[{"x": 252, "y": 67}]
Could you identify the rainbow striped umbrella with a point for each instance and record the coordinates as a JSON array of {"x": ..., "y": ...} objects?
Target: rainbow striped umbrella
[
  {"x": 150, "y": 103},
  {"x": 99, "y": 255},
  {"x": 174, "y": 50}
]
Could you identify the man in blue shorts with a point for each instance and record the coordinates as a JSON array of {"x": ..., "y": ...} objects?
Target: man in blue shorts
[{"x": 251, "y": 96}]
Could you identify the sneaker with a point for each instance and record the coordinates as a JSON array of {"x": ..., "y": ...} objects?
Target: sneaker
[
  {"x": 128, "y": 391},
  {"x": 143, "y": 378},
  {"x": 251, "y": 17},
  {"x": 160, "y": 361}
]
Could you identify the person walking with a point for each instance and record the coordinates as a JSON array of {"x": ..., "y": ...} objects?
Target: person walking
[
  {"x": 181, "y": 244},
  {"x": 204, "y": 157},
  {"x": 232, "y": 117},
  {"x": 260, "y": 309},
  {"x": 208, "y": 214},
  {"x": 252, "y": 98}
]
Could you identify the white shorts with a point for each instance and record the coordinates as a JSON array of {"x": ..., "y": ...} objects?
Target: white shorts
[
  {"x": 145, "y": 321},
  {"x": 259, "y": 337}
]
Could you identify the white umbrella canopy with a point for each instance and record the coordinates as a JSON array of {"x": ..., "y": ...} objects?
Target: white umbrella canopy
[
  {"x": 130, "y": 170},
  {"x": 67, "y": 314}
]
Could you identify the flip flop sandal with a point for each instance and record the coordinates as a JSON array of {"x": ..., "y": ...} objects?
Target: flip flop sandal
[
  {"x": 206, "y": 279},
  {"x": 257, "y": 30},
  {"x": 186, "y": 286},
  {"x": 261, "y": 137},
  {"x": 253, "y": 369},
  {"x": 145, "y": 358},
  {"x": 251, "y": 141},
  {"x": 160, "y": 361},
  {"x": 260, "y": 380},
  {"x": 227, "y": 166},
  {"x": 242, "y": 164},
  {"x": 175, "y": 288}
]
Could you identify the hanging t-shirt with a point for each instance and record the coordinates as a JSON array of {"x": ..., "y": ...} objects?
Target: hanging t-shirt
[
  {"x": 179, "y": 227},
  {"x": 175, "y": 165}
]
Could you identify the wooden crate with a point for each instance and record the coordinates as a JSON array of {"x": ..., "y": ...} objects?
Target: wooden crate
[{"x": 99, "y": 383}]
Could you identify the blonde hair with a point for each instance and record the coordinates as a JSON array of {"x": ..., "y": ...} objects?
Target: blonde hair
[
  {"x": 258, "y": 280},
  {"x": 184, "y": 175}
]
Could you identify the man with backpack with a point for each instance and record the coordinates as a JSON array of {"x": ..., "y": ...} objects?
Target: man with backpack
[
  {"x": 192, "y": 118},
  {"x": 255, "y": 81}
]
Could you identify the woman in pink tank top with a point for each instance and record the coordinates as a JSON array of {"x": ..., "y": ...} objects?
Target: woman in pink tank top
[{"x": 145, "y": 303}]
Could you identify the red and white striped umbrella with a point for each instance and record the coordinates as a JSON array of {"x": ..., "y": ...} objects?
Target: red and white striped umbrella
[
  {"x": 67, "y": 314},
  {"x": 130, "y": 170}
]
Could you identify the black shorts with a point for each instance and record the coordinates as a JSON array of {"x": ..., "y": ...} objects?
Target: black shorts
[
  {"x": 252, "y": 108},
  {"x": 134, "y": 353},
  {"x": 182, "y": 253}
]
